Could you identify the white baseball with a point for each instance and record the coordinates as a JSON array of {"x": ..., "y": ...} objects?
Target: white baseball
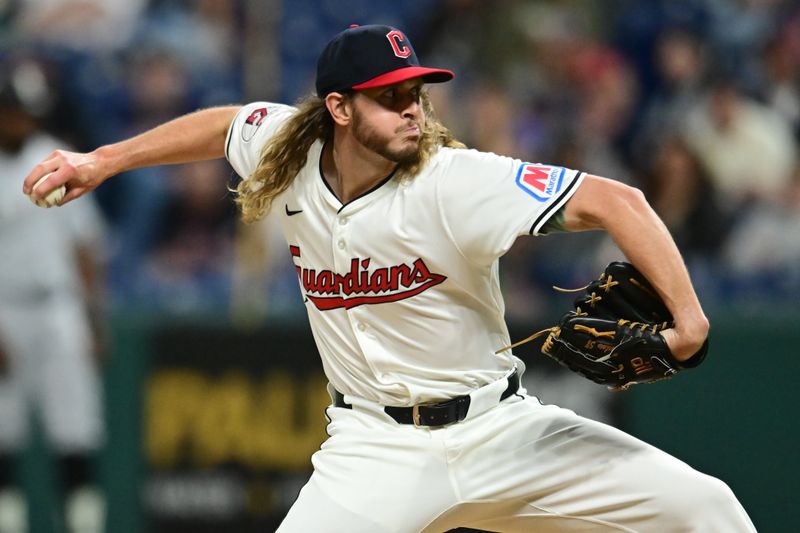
[{"x": 55, "y": 196}]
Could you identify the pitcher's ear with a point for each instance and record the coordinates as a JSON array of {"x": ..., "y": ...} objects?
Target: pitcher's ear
[{"x": 340, "y": 106}]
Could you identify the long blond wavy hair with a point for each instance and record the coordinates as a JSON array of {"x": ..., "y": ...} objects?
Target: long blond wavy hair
[{"x": 286, "y": 153}]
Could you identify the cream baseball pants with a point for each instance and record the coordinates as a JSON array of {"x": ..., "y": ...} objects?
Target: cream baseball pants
[{"x": 516, "y": 466}]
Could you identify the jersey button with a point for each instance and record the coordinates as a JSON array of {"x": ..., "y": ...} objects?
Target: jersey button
[
  {"x": 340, "y": 244},
  {"x": 361, "y": 326},
  {"x": 343, "y": 221}
]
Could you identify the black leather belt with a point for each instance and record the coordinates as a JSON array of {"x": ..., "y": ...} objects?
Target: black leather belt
[{"x": 436, "y": 414}]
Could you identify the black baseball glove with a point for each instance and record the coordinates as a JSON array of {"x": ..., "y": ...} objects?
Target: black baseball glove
[{"x": 613, "y": 336}]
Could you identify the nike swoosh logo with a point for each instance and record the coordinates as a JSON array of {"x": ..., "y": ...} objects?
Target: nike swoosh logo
[{"x": 290, "y": 213}]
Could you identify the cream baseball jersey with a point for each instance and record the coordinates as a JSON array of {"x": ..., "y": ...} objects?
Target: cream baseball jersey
[{"x": 401, "y": 283}]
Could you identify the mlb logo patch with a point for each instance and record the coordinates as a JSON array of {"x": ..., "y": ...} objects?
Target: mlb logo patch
[{"x": 540, "y": 181}]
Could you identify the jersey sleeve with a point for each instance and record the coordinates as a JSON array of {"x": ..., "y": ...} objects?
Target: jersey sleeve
[
  {"x": 487, "y": 200},
  {"x": 252, "y": 127}
]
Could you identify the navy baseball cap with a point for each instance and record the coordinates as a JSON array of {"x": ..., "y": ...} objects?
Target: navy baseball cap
[{"x": 362, "y": 57}]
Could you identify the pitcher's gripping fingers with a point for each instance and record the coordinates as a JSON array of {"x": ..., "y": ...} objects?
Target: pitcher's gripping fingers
[{"x": 79, "y": 173}]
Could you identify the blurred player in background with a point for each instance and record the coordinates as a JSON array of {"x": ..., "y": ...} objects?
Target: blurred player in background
[{"x": 48, "y": 283}]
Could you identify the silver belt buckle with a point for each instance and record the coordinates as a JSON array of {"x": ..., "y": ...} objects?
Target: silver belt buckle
[{"x": 415, "y": 416}]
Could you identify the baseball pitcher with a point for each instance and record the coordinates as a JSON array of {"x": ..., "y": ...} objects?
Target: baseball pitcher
[{"x": 395, "y": 230}]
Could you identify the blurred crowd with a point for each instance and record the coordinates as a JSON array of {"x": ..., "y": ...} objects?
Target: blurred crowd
[{"x": 696, "y": 102}]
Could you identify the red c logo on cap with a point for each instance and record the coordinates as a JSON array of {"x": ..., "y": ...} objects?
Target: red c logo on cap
[{"x": 396, "y": 39}]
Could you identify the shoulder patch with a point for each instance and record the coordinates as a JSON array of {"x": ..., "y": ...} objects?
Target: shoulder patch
[
  {"x": 540, "y": 181},
  {"x": 253, "y": 122}
]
